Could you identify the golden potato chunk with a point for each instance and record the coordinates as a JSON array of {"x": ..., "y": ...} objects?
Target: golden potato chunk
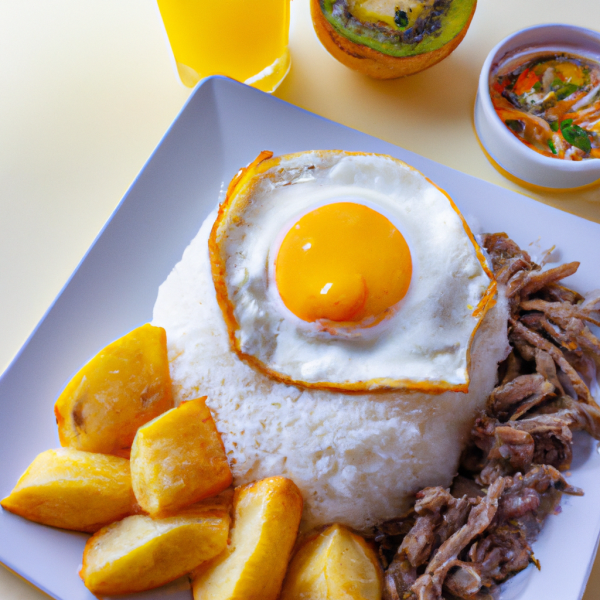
[
  {"x": 140, "y": 553},
  {"x": 74, "y": 490},
  {"x": 334, "y": 564},
  {"x": 265, "y": 524},
  {"x": 124, "y": 386},
  {"x": 178, "y": 459}
]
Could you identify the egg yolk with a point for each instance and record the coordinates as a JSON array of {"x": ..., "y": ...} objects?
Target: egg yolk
[{"x": 342, "y": 262}]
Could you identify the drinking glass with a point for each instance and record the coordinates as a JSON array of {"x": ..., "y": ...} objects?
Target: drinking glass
[{"x": 246, "y": 40}]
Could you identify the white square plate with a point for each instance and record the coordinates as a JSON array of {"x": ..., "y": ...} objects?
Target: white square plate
[{"x": 223, "y": 126}]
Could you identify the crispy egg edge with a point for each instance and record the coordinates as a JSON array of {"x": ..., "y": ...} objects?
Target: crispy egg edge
[{"x": 228, "y": 215}]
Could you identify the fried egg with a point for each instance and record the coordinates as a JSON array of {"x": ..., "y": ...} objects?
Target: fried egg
[{"x": 348, "y": 271}]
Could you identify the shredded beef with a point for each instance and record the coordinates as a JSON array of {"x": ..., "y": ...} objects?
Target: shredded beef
[
  {"x": 511, "y": 368},
  {"x": 463, "y": 544},
  {"x": 536, "y": 280},
  {"x": 502, "y": 249},
  {"x": 523, "y": 334},
  {"x": 546, "y": 367},
  {"x": 519, "y": 395},
  {"x": 429, "y": 585},
  {"x": 504, "y": 550}
]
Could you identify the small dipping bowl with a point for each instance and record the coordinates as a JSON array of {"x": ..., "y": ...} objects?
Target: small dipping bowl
[{"x": 502, "y": 147}]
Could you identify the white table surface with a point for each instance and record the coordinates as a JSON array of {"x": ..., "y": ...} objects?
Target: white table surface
[{"x": 88, "y": 90}]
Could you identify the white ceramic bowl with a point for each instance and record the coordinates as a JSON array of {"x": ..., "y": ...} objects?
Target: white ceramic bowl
[{"x": 504, "y": 147}]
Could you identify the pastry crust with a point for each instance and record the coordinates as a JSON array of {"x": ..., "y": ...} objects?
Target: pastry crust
[{"x": 371, "y": 62}]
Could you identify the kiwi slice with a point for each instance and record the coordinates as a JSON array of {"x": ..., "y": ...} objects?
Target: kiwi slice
[{"x": 386, "y": 39}]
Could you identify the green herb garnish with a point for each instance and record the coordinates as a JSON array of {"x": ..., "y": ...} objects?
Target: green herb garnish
[
  {"x": 401, "y": 18},
  {"x": 537, "y": 86},
  {"x": 566, "y": 90},
  {"x": 586, "y": 75},
  {"x": 554, "y": 125},
  {"x": 552, "y": 147},
  {"x": 575, "y": 135}
]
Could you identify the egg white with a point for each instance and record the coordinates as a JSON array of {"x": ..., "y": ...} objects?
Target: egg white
[{"x": 427, "y": 338}]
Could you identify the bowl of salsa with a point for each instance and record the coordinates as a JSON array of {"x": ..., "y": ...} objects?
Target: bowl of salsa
[{"x": 537, "y": 112}]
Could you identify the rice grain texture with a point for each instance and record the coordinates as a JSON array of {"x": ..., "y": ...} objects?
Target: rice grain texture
[{"x": 358, "y": 460}]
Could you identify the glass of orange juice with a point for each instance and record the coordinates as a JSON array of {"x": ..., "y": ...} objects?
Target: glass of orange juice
[{"x": 246, "y": 40}]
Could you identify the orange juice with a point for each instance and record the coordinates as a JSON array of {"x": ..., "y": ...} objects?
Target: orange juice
[{"x": 243, "y": 39}]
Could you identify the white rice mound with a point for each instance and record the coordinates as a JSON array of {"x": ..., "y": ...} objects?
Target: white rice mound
[{"x": 358, "y": 460}]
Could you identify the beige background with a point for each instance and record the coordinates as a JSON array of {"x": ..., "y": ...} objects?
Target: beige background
[{"x": 87, "y": 91}]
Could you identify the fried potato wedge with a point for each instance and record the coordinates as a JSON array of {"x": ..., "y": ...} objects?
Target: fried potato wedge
[
  {"x": 178, "y": 459},
  {"x": 124, "y": 386},
  {"x": 334, "y": 564},
  {"x": 140, "y": 553},
  {"x": 75, "y": 490},
  {"x": 265, "y": 525}
]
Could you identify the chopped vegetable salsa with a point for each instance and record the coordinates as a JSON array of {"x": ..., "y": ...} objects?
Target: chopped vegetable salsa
[{"x": 551, "y": 102}]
